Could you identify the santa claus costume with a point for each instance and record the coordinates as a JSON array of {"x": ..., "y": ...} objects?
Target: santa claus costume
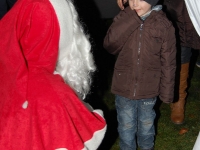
[{"x": 45, "y": 64}]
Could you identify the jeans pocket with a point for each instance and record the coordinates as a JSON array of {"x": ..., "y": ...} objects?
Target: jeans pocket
[{"x": 148, "y": 104}]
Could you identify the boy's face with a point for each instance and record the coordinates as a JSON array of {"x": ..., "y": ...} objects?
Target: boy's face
[{"x": 140, "y": 6}]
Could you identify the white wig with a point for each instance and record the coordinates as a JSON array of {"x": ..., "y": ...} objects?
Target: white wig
[{"x": 75, "y": 60}]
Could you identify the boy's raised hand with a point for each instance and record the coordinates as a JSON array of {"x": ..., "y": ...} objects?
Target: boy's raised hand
[{"x": 121, "y": 3}]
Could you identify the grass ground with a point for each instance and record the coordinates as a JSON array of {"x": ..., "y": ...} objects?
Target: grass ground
[{"x": 167, "y": 134}]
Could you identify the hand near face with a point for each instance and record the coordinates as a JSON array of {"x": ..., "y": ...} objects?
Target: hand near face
[
  {"x": 121, "y": 3},
  {"x": 140, "y": 6}
]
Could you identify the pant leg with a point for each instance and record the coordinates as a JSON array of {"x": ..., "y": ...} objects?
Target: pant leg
[
  {"x": 186, "y": 53},
  {"x": 127, "y": 122},
  {"x": 146, "y": 117}
]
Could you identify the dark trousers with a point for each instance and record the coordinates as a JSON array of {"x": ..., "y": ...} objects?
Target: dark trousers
[{"x": 186, "y": 53}]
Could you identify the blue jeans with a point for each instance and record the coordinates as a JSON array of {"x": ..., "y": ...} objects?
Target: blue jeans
[{"x": 135, "y": 119}]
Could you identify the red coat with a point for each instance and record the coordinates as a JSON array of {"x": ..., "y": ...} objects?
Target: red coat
[{"x": 38, "y": 111}]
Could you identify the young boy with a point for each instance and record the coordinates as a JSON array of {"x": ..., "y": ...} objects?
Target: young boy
[{"x": 144, "y": 40}]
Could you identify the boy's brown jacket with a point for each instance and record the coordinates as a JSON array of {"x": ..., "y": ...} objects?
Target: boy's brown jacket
[{"x": 146, "y": 61}]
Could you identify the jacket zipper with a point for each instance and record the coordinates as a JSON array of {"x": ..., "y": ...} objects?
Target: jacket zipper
[{"x": 138, "y": 59}]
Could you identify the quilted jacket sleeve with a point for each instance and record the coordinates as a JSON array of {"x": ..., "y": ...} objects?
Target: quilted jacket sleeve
[
  {"x": 168, "y": 66},
  {"x": 120, "y": 30}
]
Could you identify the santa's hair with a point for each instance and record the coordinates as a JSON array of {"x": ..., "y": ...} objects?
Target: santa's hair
[{"x": 78, "y": 63}]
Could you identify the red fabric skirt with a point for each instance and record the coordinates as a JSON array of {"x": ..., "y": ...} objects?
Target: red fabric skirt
[{"x": 51, "y": 118}]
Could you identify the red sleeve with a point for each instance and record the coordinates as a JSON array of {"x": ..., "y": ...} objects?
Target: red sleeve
[{"x": 39, "y": 33}]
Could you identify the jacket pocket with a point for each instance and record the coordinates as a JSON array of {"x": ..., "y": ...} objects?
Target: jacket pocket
[
  {"x": 150, "y": 82},
  {"x": 120, "y": 80}
]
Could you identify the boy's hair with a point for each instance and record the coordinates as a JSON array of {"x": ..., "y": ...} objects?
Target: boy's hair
[{"x": 152, "y": 2}]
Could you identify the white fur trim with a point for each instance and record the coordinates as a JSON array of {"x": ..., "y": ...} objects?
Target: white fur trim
[
  {"x": 96, "y": 140},
  {"x": 25, "y": 105},
  {"x": 99, "y": 112},
  {"x": 197, "y": 143},
  {"x": 98, "y": 136}
]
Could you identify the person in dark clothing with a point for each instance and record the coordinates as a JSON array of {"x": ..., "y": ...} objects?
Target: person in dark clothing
[
  {"x": 5, "y": 6},
  {"x": 187, "y": 40}
]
